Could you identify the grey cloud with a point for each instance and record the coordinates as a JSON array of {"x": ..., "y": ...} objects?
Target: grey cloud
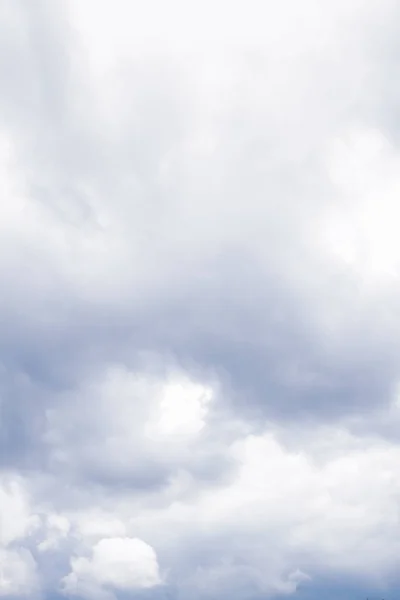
[{"x": 166, "y": 227}]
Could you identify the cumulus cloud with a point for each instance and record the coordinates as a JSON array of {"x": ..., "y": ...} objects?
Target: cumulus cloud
[
  {"x": 199, "y": 340},
  {"x": 16, "y": 518},
  {"x": 284, "y": 518},
  {"x": 18, "y": 574},
  {"x": 122, "y": 563}
]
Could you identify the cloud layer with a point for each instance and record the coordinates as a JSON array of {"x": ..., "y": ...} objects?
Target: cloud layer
[{"x": 199, "y": 377}]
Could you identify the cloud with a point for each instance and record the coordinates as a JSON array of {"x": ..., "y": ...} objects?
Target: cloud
[
  {"x": 283, "y": 518},
  {"x": 18, "y": 572},
  {"x": 122, "y": 563},
  {"x": 16, "y": 518},
  {"x": 57, "y": 527},
  {"x": 198, "y": 253},
  {"x": 133, "y": 428},
  {"x": 18, "y": 575}
]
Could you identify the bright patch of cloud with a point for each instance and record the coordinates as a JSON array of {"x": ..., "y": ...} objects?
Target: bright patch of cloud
[
  {"x": 121, "y": 563},
  {"x": 364, "y": 234},
  {"x": 181, "y": 410},
  {"x": 16, "y": 519}
]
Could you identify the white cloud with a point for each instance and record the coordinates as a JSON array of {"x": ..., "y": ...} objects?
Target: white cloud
[
  {"x": 16, "y": 518},
  {"x": 283, "y": 518},
  {"x": 18, "y": 575},
  {"x": 121, "y": 563},
  {"x": 365, "y": 168},
  {"x": 181, "y": 411}
]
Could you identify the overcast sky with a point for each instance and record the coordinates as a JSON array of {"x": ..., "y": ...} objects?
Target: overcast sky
[{"x": 199, "y": 299}]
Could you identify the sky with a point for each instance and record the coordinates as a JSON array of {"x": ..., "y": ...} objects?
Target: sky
[{"x": 200, "y": 299}]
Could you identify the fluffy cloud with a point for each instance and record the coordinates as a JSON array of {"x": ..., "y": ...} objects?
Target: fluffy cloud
[
  {"x": 199, "y": 327},
  {"x": 18, "y": 574},
  {"x": 283, "y": 518},
  {"x": 122, "y": 563},
  {"x": 15, "y": 511}
]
